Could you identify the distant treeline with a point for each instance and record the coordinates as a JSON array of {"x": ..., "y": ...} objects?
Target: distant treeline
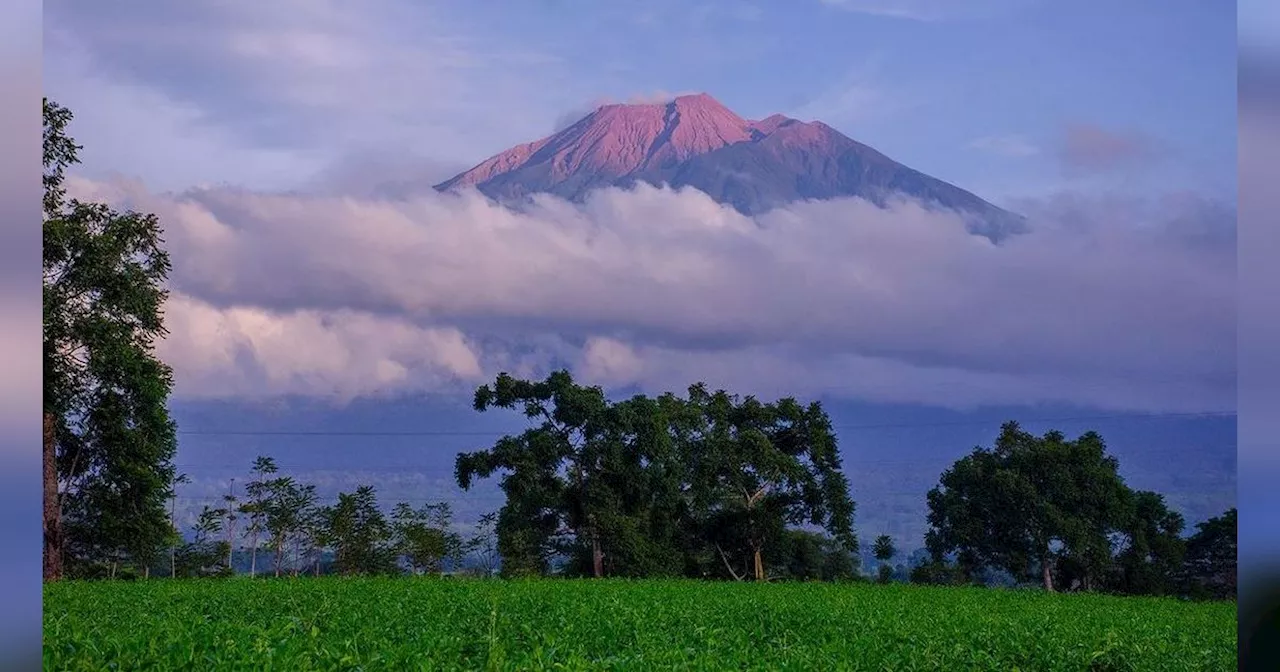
[{"x": 715, "y": 486}]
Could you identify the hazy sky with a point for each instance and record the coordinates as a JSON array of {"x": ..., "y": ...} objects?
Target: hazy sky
[
  {"x": 265, "y": 136},
  {"x": 1005, "y": 97}
]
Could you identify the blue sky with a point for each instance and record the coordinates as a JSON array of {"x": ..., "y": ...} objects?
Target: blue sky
[{"x": 260, "y": 133}]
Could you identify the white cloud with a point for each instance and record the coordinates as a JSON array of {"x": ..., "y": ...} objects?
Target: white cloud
[
  {"x": 245, "y": 351},
  {"x": 1115, "y": 304}
]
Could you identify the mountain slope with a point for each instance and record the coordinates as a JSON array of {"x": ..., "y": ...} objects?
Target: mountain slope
[{"x": 694, "y": 141}]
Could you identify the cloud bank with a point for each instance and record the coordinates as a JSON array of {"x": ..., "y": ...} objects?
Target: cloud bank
[{"x": 1115, "y": 304}]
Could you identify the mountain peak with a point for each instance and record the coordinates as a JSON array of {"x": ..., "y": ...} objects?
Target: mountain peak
[
  {"x": 694, "y": 140},
  {"x": 618, "y": 140}
]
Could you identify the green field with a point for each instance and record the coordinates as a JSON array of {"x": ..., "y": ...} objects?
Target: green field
[{"x": 433, "y": 624}]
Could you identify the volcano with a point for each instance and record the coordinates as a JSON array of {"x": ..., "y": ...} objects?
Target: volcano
[{"x": 694, "y": 141}]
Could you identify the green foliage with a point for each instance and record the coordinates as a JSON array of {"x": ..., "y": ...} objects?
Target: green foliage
[
  {"x": 810, "y": 556},
  {"x": 1032, "y": 505},
  {"x": 652, "y": 487},
  {"x": 425, "y": 538},
  {"x": 883, "y": 549},
  {"x": 432, "y": 624},
  {"x": 204, "y": 555},
  {"x": 1152, "y": 548},
  {"x": 358, "y": 533},
  {"x": 103, "y": 290},
  {"x": 1211, "y": 554},
  {"x": 288, "y": 518}
]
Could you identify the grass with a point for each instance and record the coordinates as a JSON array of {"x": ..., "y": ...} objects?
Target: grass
[{"x": 432, "y": 624}]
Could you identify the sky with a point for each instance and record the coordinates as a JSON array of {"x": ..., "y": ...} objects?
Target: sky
[{"x": 268, "y": 136}]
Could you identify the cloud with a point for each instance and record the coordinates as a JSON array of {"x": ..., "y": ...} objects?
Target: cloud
[
  {"x": 1089, "y": 149},
  {"x": 1114, "y": 303},
  {"x": 293, "y": 77},
  {"x": 1014, "y": 146}
]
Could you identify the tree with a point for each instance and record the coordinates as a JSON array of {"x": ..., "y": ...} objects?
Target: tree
[
  {"x": 1211, "y": 556},
  {"x": 203, "y": 556},
  {"x": 884, "y": 552},
  {"x": 552, "y": 468},
  {"x": 108, "y": 437},
  {"x": 1028, "y": 503},
  {"x": 358, "y": 533},
  {"x": 258, "y": 492},
  {"x": 424, "y": 537},
  {"x": 1151, "y": 548},
  {"x": 288, "y": 507},
  {"x": 810, "y": 556},
  {"x": 229, "y": 508},
  {"x": 484, "y": 544},
  {"x": 756, "y": 468}
]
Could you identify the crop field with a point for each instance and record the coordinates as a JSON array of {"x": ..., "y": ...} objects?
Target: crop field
[{"x": 442, "y": 624}]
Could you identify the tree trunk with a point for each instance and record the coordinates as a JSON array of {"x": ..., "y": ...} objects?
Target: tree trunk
[
  {"x": 597, "y": 557},
  {"x": 1048, "y": 575},
  {"x": 253, "y": 555},
  {"x": 759, "y": 564},
  {"x": 279, "y": 555},
  {"x": 52, "y": 509},
  {"x": 173, "y": 548}
]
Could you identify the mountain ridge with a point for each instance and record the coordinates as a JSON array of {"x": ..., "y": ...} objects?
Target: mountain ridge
[{"x": 695, "y": 141}]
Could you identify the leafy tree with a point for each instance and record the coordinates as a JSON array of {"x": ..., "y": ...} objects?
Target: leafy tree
[
  {"x": 884, "y": 552},
  {"x": 288, "y": 508},
  {"x": 424, "y": 537},
  {"x": 1211, "y": 555},
  {"x": 204, "y": 555},
  {"x": 652, "y": 487},
  {"x": 1028, "y": 503},
  {"x": 756, "y": 468},
  {"x": 484, "y": 544},
  {"x": 551, "y": 471},
  {"x": 1151, "y": 548},
  {"x": 358, "y": 533},
  {"x": 108, "y": 437},
  {"x": 230, "y": 511},
  {"x": 175, "y": 536},
  {"x": 810, "y": 556},
  {"x": 258, "y": 492}
]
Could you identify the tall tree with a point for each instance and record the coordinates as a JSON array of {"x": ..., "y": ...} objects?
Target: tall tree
[
  {"x": 288, "y": 508},
  {"x": 1211, "y": 557},
  {"x": 1028, "y": 502},
  {"x": 883, "y": 550},
  {"x": 258, "y": 492},
  {"x": 484, "y": 544},
  {"x": 231, "y": 511},
  {"x": 551, "y": 470},
  {"x": 756, "y": 468},
  {"x": 108, "y": 437},
  {"x": 359, "y": 533},
  {"x": 1151, "y": 548}
]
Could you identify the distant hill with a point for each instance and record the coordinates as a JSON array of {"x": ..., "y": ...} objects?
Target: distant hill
[{"x": 694, "y": 141}]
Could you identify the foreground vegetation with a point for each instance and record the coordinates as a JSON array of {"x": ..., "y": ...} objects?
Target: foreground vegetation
[{"x": 447, "y": 624}]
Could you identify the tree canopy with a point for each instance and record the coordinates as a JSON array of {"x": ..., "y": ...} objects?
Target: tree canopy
[
  {"x": 1029, "y": 504},
  {"x": 108, "y": 437},
  {"x": 700, "y": 486}
]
